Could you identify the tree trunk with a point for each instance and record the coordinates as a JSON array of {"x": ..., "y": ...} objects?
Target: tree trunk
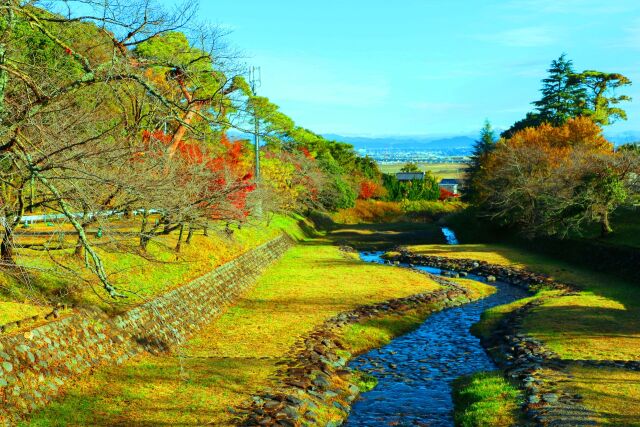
[
  {"x": 144, "y": 238},
  {"x": 179, "y": 244},
  {"x": 32, "y": 195},
  {"x": 6, "y": 247},
  {"x": 205, "y": 231},
  {"x": 189, "y": 235},
  {"x": 605, "y": 226},
  {"x": 79, "y": 251},
  {"x": 182, "y": 128}
]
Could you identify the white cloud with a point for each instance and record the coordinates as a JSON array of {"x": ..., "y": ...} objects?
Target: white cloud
[
  {"x": 582, "y": 7},
  {"x": 631, "y": 38},
  {"x": 320, "y": 82},
  {"x": 523, "y": 37},
  {"x": 438, "y": 106}
]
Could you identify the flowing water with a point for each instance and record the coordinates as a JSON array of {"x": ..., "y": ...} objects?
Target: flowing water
[
  {"x": 414, "y": 371},
  {"x": 449, "y": 235}
]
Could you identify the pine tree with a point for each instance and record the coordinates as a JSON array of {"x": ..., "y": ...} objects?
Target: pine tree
[
  {"x": 474, "y": 170},
  {"x": 563, "y": 95}
]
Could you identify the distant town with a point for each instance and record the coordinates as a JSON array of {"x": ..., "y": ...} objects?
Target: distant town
[{"x": 403, "y": 156}]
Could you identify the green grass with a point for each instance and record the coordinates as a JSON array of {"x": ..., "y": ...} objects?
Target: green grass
[
  {"x": 365, "y": 382},
  {"x": 600, "y": 322},
  {"x": 379, "y": 331},
  {"x": 485, "y": 399},
  {"x": 43, "y": 283},
  {"x": 239, "y": 354},
  {"x": 441, "y": 170},
  {"x": 612, "y": 393},
  {"x": 625, "y": 222},
  {"x": 490, "y": 318},
  {"x": 11, "y": 311}
]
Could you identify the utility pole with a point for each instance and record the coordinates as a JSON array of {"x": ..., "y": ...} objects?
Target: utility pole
[{"x": 255, "y": 80}]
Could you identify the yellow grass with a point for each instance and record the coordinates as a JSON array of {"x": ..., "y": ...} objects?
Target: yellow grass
[
  {"x": 139, "y": 277},
  {"x": 441, "y": 170},
  {"x": 491, "y": 254},
  {"x": 601, "y": 322},
  {"x": 613, "y": 393},
  {"x": 237, "y": 355}
]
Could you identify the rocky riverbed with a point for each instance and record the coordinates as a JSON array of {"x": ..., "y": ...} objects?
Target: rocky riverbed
[
  {"x": 316, "y": 381},
  {"x": 414, "y": 371}
]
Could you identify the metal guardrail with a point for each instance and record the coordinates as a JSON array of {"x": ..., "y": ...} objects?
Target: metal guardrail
[{"x": 31, "y": 219}]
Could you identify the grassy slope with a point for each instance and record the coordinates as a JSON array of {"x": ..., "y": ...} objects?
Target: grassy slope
[
  {"x": 29, "y": 293},
  {"x": 383, "y": 236},
  {"x": 238, "y": 354},
  {"x": 602, "y": 322}
]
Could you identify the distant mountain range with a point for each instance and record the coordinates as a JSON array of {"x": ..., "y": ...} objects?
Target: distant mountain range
[
  {"x": 460, "y": 144},
  {"x": 449, "y": 144},
  {"x": 620, "y": 138}
]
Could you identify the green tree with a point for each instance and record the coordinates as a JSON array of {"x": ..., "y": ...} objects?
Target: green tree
[
  {"x": 410, "y": 167},
  {"x": 563, "y": 96},
  {"x": 566, "y": 94},
  {"x": 601, "y": 99},
  {"x": 531, "y": 120},
  {"x": 417, "y": 189},
  {"x": 475, "y": 166}
]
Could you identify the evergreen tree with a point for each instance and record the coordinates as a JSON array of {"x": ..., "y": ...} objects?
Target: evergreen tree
[
  {"x": 563, "y": 95},
  {"x": 601, "y": 100},
  {"x": 531, "y": 120},
  {"x": 474, "y": 170}
]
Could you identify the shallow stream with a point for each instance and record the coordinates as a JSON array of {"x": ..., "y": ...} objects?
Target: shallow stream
[{"x": 415, "y": 370}]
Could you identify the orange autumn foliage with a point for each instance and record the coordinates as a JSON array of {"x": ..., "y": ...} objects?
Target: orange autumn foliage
[
  {"x": 226, "y": 172},
  {"x": 368, "y": 189},
  {"x": 560, "y": 141}
]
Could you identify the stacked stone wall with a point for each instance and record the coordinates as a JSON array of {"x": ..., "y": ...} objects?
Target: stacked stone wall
[{"x": 36, "y": 365}]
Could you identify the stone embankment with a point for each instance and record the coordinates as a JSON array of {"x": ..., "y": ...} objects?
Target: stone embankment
[
  {"x": 316, "y": 381},
  {"x": 35, "y": 365},
  {"x": 463, "y": 266}
]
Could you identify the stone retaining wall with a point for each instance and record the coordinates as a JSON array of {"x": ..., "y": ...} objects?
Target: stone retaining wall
[{"x": 35, "y": 365}]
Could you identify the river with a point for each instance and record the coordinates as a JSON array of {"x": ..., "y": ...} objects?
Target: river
[{"x": 415, "y": 370}]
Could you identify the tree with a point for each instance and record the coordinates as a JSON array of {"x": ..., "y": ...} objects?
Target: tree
[
  {"x": 531, "y": 120},
  {"x": 474, "y": 170},
  {"x": 77, "y": 96},
  {"x": 555, "y": 180},
  {"x": 410, "y": 167},
  {"x": 563, "y": 96},
  {"x": 566, "y": 94},
  {"x": 601, "y": 99},
  {"x": 418, "y": 189}
]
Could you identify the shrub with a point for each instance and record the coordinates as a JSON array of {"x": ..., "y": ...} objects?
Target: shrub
[
  {"x": 431, "y": 209},
  {"x": 426, "y": 189},
  {"x": 369, "y": 211}
]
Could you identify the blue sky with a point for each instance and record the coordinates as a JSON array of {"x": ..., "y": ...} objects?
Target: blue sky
[{"x": 424, "y": 67}]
